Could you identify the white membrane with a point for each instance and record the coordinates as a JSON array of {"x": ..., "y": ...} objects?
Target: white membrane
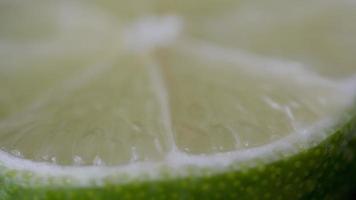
[
  {"x": 152, "y": 32},
  {"x": 176, "y": 161},
  {"x": 160, "y": 90}
]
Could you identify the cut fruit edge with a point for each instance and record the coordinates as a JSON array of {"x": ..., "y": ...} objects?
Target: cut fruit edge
[{"x": 177, "y": 165}]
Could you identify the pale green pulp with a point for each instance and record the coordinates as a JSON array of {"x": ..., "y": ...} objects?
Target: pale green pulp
[{"x": 73, "y": 94}]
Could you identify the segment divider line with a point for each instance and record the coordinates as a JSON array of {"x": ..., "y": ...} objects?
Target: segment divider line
[{"x": 159, "y": 88}]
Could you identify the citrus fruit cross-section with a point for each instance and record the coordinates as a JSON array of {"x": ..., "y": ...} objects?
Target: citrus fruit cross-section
[{"x": 177, "y": 99}]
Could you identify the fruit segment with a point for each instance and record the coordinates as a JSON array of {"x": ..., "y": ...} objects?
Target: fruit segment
[
  {"x": 319, "y": 34},
  {"x": 108, "y": 114},
  {"x": 220, "y": 105}
]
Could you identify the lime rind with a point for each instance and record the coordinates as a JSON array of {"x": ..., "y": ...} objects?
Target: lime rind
[
  {"x": 315, "y": 172},
  {"x": 24, "y": 172}
]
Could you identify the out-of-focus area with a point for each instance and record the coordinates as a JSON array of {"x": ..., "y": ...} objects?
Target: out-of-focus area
[{"x": 318, "y": 33}]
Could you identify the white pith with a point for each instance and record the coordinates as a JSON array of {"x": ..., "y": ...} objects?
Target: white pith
[{"x": 178, "y": 161}]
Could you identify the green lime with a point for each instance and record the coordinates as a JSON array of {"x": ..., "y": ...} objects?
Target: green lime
[{"x": 177, "y": 99}]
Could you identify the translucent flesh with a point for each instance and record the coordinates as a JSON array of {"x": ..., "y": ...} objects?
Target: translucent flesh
[{"x": 71, "y": 93}]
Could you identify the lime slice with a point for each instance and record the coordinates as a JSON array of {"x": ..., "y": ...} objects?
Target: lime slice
[{"x": 177, "y": 100}]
